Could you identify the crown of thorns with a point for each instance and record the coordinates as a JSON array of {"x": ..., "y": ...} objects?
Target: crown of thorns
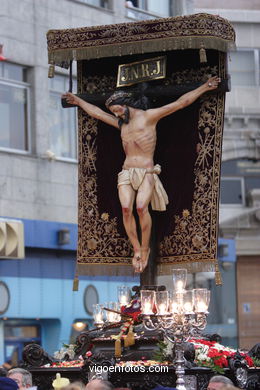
[{"x": 117, "y": 95}]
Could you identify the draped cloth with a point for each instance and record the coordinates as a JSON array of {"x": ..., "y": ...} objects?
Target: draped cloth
[
  {"x": 135, "y": 177},
  {"x": 188, "y": 142},
  {"x": 188, "y": 149}
]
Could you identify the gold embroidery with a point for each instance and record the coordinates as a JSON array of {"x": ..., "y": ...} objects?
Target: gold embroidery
[
  {"x": 181, "y": 32},
  {"x": 194, "y": 239}
]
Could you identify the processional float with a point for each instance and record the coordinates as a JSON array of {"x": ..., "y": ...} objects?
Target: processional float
[{"x": 173, "y": 55}]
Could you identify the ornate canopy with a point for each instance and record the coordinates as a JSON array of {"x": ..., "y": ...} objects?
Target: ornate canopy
[
  {"x": 189, "y": 142},
  {"x": 177, "y": 33}
]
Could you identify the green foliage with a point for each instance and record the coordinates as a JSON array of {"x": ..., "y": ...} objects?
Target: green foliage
[
  {"x": 217, "y": 369},
  {"x": 256, "y": 362},
  {"x": 160, "y": 354}
]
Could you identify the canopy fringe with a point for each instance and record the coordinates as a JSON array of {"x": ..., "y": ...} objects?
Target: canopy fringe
[
  {"x": 106, "y": 269},
  {"x": 63, "y": 56}
]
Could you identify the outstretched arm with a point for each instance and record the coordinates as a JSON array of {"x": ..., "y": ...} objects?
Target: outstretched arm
[
  {"x": 91, "y": 109},
  {"x": 185, "y": 100}
]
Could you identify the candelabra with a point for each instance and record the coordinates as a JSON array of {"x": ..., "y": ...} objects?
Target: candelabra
[
  {"x": 112, "y": 309},
  {"x": 179, "y": 314}
]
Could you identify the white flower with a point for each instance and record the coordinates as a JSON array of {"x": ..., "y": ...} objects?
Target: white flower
[
  {"x": 202, "y": 357},
  {"x": 65, "y": 351}
]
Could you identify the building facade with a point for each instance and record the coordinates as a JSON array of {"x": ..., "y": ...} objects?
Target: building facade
[
  {"x": 240, "y": 182},
  {"x": 38, "y": 174}
]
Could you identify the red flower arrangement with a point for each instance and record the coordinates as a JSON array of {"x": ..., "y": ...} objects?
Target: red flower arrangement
[{"x": 214, "y": 355}]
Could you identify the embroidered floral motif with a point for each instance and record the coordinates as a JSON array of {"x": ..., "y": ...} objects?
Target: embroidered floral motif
[{"x": 194, "y": 238}]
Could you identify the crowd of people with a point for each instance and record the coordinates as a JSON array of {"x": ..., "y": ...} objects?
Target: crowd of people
[{"x": 21, "y": 379}]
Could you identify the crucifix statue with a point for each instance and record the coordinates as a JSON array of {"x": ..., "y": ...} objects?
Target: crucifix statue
[{"x": 138, "y": 181}]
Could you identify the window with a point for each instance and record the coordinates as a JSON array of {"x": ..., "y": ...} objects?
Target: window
[
  {"x": 97, "y": 3},
  {"x": 16, "y": 337},
  {"x": 239, "y": 178},
  {"x": 14, "y": 107},
  {"x": 154, "y": 7},
  {"x": 90, "y": 298},
  {"x": 232, "y": 191},
  {"x": 244, "y": 67},
  {"x": 5, "y": 297},
  {"x": 62, "y": 130}
]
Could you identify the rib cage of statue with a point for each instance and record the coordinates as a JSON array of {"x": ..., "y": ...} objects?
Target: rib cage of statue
[{"x": 99, "y": 237}]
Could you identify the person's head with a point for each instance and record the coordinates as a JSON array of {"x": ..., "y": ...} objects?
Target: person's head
[
  {"x": 22, "y": 377},
  {"x": 3, "y": 371},
  {"x": 8, "y": 384},
  {"x": 218, "y": 382},
  {"x": 99, "y": 384},
  {"x": 229, "y": 387},
  {"x": 75, "y": 386}
]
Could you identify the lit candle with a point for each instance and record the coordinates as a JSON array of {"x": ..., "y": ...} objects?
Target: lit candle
[
  {"x": 201, "y": 307},
  {"x": 179, "y": 285},
  {"x": 110, "y": 316},
  {"x": 123, "y": 300},
  {"x": 98, "y": 318},
  {"x": 174, "y": 307},
  {"x": 162, "y": 308},
  {"x": 147, "y": 308},
  {"x": 188, "y": 307}
]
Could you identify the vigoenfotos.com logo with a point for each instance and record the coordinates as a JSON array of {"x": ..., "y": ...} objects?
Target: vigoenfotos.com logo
[{"x": 128, "y": 368}]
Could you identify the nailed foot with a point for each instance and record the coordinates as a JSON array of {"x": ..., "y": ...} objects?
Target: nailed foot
[
  {"x": 145, "y": 252},
  {"x": 136, "y": 260}
]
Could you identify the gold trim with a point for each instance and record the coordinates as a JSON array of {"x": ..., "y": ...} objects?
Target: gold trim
[
  {"x": 181, "y": 32},
  {"x": 129, "y": 48}
]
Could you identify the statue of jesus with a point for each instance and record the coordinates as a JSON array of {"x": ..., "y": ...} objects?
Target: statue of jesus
[{"x": 138, "y": 181}]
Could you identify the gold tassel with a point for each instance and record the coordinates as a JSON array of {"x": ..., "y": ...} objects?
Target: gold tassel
[
  {"x": 76, "y": 279},
  {"x": 203, "y": 55},
  {"x": 126, "y": 342},
  {"x": 75, "y": 283},
  {"x": 218, "y": 278},
  {"x": 118, "y": 349},
  {"x": 51, "y": 71},
  {"x": 130, "y": 336}
]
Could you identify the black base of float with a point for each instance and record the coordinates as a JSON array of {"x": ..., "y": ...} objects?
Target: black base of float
[
  {"x": 195, "y": 378},
  {"x": 136, "y": 377}
]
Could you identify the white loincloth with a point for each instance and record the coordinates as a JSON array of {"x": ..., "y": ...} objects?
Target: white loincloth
[{"x": 135, "y": 177}]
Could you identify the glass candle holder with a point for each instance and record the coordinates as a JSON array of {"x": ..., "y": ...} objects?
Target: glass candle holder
[
  {"x": 201, "y": 300},
  {"x": 179, "y": 278},
  {"x": 117, "y": 308},
  {"x": 98, "y": 314},
  {"x": 188, "y": 302},
  {"x": 111, "y": 316},
  {"x": 123, "y": 294},
  {"x": 147, "y": 301},
  {"x": 208, "y": 298},
  {"x": 161, "y": 302},
  {"x": 175, "y": 302},
  {"x": 173, "y": 306}
]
